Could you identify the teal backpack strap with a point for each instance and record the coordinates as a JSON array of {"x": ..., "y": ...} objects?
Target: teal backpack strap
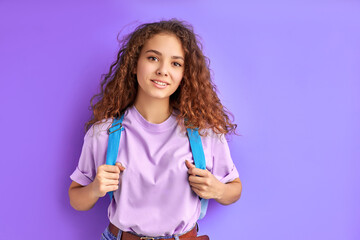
[
  {"x": 199, "y": 159},
  {"x": 113, "y": 143}
]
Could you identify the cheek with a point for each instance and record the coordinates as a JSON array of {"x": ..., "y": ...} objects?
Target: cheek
[
  {"x": 178, "y": 77},
  {"x": 177, "y": 82},
  {"x": 143, "y": 69},
  {"x": 177, "y": 85}
]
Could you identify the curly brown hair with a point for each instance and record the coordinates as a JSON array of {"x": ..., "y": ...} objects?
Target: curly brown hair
[{"x": 195, "y": 99}]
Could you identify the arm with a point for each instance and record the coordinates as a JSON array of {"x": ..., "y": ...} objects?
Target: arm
[
  {"x": 82, "y": 198},
  {"x": 230, "y": 193},
  {"x": 107, "y": 179}
]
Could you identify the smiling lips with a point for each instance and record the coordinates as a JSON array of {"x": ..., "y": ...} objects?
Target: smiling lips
[{"x": 160, "y": 84}]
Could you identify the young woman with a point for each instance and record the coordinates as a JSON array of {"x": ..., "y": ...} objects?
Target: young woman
[{"x": 161, "y": 84}]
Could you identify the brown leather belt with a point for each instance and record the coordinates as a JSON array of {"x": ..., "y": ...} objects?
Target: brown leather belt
[{"x": 192, "y": 234}]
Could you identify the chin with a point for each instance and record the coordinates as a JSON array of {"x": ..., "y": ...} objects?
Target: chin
[{"x": 160, "y": 95}]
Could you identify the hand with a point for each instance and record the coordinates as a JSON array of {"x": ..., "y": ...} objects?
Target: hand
[
  {"x": 107, "y": 179},
  {"x": 204, "y": 183}
]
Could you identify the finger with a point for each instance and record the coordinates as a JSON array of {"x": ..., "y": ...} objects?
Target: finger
[
  {"x": 195, "y": 179},
  {"x": 193, "y": 170},
  {"x": 111, "y": 182},
  {"x": 111, "y": 176},
  {"x": 111, "y": 168},
  {"x": 189, "y": 165},
  {"x": 197, "y": 172},
  {"x": 197, "y": 185},
  {"x": 111, "y": 188},
  {"x": 196, "y": 190},
  {"x": 121, "y": 167}
]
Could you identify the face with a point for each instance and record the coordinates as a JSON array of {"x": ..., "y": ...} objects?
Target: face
[{"x": 160, "y": 67}]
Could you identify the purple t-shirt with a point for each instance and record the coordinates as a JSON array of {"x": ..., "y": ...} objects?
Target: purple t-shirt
[{"x": 154, "y": 197}]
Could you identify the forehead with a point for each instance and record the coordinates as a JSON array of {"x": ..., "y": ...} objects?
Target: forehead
[{"x": 167, "y": 44}]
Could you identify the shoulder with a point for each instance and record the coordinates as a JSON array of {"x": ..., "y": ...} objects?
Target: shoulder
[
  {"x": 213, "y": 142},
  {"x": 98, "y": 129},
  {"x": 209, "y": 135}
]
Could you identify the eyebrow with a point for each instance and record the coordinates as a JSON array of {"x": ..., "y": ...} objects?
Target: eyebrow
[{"x": 159, "y": 53}]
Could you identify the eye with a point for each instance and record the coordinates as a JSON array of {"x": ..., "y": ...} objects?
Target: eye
[
  {"x": 152, "y": 58},
  {"x": 178, "y": 64}
]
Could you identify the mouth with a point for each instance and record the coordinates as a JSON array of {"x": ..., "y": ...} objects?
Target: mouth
[{"x": 160, "y": 83}]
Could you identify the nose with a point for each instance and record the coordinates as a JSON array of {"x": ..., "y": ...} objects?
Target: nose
[{"x": 162, "y": 70}]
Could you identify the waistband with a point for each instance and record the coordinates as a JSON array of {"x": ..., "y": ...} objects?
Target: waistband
[{"x": 133, "y": 236}]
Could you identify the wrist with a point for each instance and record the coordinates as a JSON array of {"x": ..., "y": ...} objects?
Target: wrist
[
  {"x": 92, "y": 191},
  {"x": 220, "y": 192},
  {"x": 231, "y": 193}
]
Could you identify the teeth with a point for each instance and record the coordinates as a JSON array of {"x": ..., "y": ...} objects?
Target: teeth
[{"x": 160, "y": 83}]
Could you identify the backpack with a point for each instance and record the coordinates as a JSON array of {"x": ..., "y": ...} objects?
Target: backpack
[{"x": 195, "y": 143}]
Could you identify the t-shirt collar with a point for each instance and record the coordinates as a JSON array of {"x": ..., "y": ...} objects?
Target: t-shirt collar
[{"x": 153, "y": 127}]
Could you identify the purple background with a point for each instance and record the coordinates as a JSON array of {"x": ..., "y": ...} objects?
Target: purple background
[{"x": 288, "y": 71}]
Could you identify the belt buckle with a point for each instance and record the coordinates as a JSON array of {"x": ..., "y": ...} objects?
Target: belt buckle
[{"x": 147, "y": 238}]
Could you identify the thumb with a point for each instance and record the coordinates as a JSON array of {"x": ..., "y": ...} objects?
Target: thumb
[
  {"x": 189, "y": 164},
  {"x": 121, "y": 167}
]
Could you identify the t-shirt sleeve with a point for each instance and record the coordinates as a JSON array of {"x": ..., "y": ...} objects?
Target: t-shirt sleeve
[
  {"x": 224, "y": 168},
  {"x": 85, "y": 171}
]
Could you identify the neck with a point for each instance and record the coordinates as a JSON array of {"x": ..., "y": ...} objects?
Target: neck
[{"x": 153, "y": 110}]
